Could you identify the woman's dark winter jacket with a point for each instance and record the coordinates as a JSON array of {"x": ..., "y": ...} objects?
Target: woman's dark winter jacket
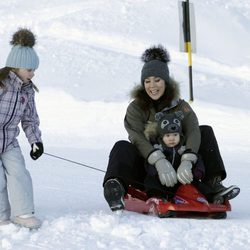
[{"x": 140, "y": 113}]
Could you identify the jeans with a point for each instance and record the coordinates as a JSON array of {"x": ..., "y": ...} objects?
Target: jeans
[{"x": 16, "y": 190}]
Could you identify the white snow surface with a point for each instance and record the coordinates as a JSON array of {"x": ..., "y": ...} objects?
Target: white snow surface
[{"x": 89, "y": 60}]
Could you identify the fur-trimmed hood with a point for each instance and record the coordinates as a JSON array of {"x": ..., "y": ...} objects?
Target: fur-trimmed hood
[
  {"x": 151, "y": 131},
  {"x": 169, "y": 99}
]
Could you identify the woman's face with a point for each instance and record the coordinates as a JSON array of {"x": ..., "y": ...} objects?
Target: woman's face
[{"x": 155, "y": 87}]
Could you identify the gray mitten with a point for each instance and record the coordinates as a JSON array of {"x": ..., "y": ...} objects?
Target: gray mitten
[
  {"x": 184, "y": 171},
  {"x": 166, "y": 172}
]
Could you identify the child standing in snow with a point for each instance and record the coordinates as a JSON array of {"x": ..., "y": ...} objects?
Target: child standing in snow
[
  {"x": 165, "y": 134},
  {"x": 18, "y": 106}
]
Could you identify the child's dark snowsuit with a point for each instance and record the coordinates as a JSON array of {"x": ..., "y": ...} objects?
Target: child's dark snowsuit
[{"x": 152, "y": 184}]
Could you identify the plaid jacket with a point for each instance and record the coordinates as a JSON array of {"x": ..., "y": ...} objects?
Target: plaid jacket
[{"x": 17, "y": 105}]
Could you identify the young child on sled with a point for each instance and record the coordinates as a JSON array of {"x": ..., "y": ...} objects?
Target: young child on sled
[{"x": 166, "y": 135}]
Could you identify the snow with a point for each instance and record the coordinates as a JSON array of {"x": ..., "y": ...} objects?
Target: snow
[{"x": 89, "y": 61}]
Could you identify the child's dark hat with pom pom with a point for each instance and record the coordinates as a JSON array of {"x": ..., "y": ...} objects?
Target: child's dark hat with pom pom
[
  {"x": 22, "y": 54},
  {"x": 155, "y": 63}
]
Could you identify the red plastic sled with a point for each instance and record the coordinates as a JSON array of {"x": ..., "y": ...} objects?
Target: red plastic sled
[{"x": 188, "y": 202}]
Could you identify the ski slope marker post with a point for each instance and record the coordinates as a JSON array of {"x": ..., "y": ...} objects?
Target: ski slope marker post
[{"x": 187, "y": 34}]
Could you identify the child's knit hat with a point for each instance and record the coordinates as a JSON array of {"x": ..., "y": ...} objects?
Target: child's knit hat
[
  {"x": 22, "y": 54},
  {"x": 169, "y": 122}
]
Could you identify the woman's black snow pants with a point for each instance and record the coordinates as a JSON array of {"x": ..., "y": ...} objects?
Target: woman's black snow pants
[
  {"x": 210, "y": 154},
  {"x": 126, "y": 164}
]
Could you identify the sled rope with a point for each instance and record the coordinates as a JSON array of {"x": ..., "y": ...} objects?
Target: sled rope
[
  {"x": 84, "y": 165},
  {"x": 100, "y": 170},
  {"x": 97, "y": 169},
  {"x": 75, "y": 162}
]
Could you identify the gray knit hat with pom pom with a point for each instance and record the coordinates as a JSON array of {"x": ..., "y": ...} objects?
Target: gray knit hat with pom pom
[
  {"x": 22, "y": 54},
  {"x": 155, "y": 61}
]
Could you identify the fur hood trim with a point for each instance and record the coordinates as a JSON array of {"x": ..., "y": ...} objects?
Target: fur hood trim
[
  {"x": 171, "y": 94},
  {"x": 151, "y": 131}
]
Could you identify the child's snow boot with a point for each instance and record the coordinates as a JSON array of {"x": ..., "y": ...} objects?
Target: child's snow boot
[
  {"x": 4, "y": 222},
  {"x": 27, "y": 220}
]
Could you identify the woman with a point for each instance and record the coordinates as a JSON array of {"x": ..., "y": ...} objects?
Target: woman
[{"x": 158, "y": 92}]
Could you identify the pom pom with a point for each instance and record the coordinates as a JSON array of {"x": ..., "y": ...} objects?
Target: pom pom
[
  {"x": 23, "y": 37},
  {"x": 156, "y": 53}
]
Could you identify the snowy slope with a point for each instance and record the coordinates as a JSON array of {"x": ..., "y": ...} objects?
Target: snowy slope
[{"x": 89, "y": 53}]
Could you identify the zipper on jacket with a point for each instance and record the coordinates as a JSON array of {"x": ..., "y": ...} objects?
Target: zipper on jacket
[
  {"x": 173, "y": 159},
  {"x": 7, "y": 123}
]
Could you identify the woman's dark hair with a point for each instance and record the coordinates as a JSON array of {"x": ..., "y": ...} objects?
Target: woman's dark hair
[
  {"x": 4, "y": 72},
  {"x": 144, "y": 101}
]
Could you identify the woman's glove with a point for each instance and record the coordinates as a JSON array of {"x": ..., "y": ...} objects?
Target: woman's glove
[
  {"x": 184, "y": 171},
  {"x": 166, "y": 172},
  {"x": 36, "y": 150}
]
